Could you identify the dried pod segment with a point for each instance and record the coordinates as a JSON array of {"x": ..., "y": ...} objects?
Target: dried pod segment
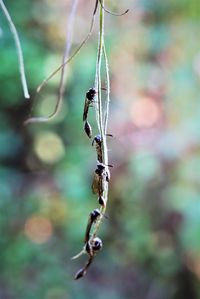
[
  {"x": 101, "y": 177},
  {"x": 98, "y": 143},
  {"x": 89, "y": 99},
  {"x": 88, "y": 129},
  {"x": 101, "y": 201},
  {"x": 92, "y": 248},
  {"x": 83, "y": 270},
  {"x": 96, "y": 244},
  {"x": 80, "y": 273},
  {"x": 94, "y": 215}
]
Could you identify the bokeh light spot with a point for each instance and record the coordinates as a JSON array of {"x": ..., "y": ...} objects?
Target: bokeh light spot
[
  {"x": 49, "y": 147},
  {"x": 38, "y": 229},
  {"x": 145, "y": 112}
]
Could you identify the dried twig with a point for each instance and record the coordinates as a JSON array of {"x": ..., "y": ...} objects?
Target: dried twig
[{"x": 61, "y": 67}]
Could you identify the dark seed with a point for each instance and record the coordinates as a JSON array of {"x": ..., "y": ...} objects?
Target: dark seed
[
  {"x": 88, "y": 129},
  {"x": 91, "y": 94},
  {"x": 96, "y": 244},
  {"x": 94, "y": 215},
  {"x": 97, "y": 139},
  {"x": 102, "y": 201},
  {"x": 100, "y": 167}
]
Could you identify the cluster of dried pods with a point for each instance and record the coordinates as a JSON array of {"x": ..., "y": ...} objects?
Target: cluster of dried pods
[{"x": 92, "y": 243}]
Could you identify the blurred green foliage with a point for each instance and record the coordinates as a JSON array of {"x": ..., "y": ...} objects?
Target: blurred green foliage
[{"x": 152, "y": 236}]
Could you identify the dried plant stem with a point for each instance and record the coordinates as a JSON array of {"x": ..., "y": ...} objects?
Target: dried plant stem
[
  {"x": 107, "y": 102},
  {"x": 68, "y": 44},
  {"x": 98, "y": 72},
  {"x": 69, "y": 59},
  {"x": 19, "y": 49},
  {"x": 102, "y": 171},
  {"x": 112, "y": 13},
  {"x": 101, "y": 115},
  {"x": 102, "y": 122},
  {"x": 67, "y": 49},
  {"x": 73, "y": 55},
  {"x": 66, "y": 60}
]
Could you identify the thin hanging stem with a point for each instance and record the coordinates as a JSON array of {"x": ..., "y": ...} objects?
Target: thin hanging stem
[
  {"x": 102, "y": 113},
  {"x": 19, "y": 50},
  {"x": 99, "y": 110},
  {"x": 107, "y": 102},
  {"x": 98, "y": 71},
  {"x": 99, "y": 117}
]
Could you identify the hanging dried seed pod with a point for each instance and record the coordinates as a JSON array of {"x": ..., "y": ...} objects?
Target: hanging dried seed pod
[
  {"x": 99, "y": 180},
  {"x": 88, "y": 129},
  {"x": 98, "y": 142},
  {"x": 83, "y": 270},
  {"x": 101, "y": 176},
  {"x": 89, "y": 99},
  {"x": 92, "y": 219},
  {"x": 96, "y": 245},
  {"x": 80, "y": 273},
  {"x": 92, "y": 248}
]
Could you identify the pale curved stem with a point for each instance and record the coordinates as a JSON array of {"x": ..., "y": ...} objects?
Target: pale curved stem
[
  {"x": 61, "y": 67},
  {"x": 111, "y": 12},
  {"x": 107, "y": 102},
  {"x": 19, "y": 49},
  {"x": 98, "y": 72}
]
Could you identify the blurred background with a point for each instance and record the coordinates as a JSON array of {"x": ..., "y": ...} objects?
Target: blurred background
[{"x": 152, "y": 234}]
